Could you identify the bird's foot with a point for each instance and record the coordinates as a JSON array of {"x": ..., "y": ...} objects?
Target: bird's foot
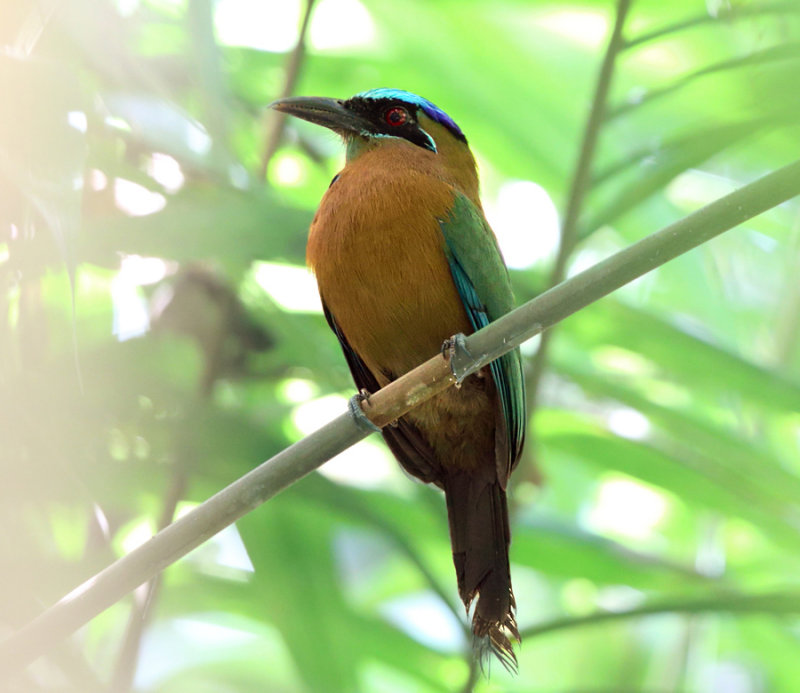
[
  {"x": 357, "y": 411},
  {"x": 454, "y": 350}
]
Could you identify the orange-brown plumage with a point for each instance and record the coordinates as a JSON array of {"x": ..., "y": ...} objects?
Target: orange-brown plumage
[
  {"x": 387, "y": 275},
  {"x": 377, "y": 251}
]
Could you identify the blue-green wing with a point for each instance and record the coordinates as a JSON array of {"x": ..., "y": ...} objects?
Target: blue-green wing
[{"x": 481, "y": 278}]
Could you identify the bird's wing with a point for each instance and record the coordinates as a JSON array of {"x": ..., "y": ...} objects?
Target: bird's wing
[
  {"x": 482, "y": 281},
  {"x": 403, "y": 439}
]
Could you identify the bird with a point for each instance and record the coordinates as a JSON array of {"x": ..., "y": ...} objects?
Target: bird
[{"x": 404, "y": 259}]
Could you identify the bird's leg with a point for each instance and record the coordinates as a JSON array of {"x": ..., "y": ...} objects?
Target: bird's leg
[{"x": 456, "y": 353}]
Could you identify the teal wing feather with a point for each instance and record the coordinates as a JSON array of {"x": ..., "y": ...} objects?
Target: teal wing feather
[{"x": 481, "y": 277}]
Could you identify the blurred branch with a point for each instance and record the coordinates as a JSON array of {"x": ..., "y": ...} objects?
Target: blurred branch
[
  {"x": 673, "y": 158},
  {"x": 203, "y": 306},
  {"x": 473, "y": 663},
  {"x": 386, "y": 405},
  {"x": 210, "y": 78},
  {"x": 688, "y": 149},
  {"x": 780, "y": 603},
  {"x": 275, "y": 120},
  {"x": 355, "y": 507},
  {"x": 787, "y": 51},
  {"x": 580, "y": 182},
  {"x": 37, "y": 18},
  {"x": 615, "y": 689},
  {"x": 733, "y": 13},
  {"x": 125, "y": 668}
]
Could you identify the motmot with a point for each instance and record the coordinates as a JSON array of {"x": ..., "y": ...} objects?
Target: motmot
[{"x": 404, "y": 259}]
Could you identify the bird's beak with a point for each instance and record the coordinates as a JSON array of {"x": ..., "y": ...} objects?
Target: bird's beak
[{"x": 329, "y": 113}]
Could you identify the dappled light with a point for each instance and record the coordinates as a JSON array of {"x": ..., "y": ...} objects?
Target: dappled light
[{"x": 161, "y": 336}]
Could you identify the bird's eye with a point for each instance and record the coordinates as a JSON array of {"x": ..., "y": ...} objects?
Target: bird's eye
[{"x": 396, "y": 116}]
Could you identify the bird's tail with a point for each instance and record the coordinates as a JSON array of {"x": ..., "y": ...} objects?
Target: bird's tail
[{"x": 479, "y": 533}]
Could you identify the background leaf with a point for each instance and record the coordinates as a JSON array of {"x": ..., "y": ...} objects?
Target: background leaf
[{"x": 655, "y": 515}]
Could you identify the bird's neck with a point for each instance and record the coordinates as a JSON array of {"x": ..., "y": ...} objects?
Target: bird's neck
[{"x": 453, "y": 162}]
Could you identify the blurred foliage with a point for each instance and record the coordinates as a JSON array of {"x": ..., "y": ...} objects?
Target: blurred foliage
[{"x": 147, "y": 359}]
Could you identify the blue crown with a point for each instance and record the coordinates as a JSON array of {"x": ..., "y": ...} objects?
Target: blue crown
[{"x": 429, "y": 109}]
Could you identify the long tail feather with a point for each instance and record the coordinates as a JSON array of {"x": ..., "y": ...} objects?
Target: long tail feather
[{"x": 480, "y": 536}]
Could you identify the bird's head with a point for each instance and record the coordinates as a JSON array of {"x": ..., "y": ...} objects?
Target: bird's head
[{"x": 378, "y": 117}]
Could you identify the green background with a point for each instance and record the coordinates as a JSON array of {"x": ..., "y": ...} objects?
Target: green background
[{"x": 148, "y": 356}]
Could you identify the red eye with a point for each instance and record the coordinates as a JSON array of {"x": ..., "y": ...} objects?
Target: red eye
[{"x": 396, "y": 116}]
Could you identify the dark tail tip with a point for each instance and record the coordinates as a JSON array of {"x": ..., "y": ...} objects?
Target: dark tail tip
[{"x": 494, "y": 638}]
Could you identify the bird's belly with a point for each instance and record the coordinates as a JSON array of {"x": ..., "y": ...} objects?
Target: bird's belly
[
  {"x": 377, "y": 250},
  {"x": 390, "y": 290},
  {"x": 396, "y": 315}
]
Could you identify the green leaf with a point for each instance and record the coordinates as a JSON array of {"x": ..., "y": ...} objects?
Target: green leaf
[
  {"x": 294, "y": 572},
  {"x": 695, "y": 480},
  {"x": 683, "y": 356},
  {"x": 660, "y": 165},
  {"x": 237, "y": 227}
]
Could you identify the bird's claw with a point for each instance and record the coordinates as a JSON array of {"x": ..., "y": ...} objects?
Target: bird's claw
[
  {"x": 455, "y": 351},
  {"x": 449, "y": 353},
  {"x": 357, "y": 411},
  {"x": 448, "y": 348}
]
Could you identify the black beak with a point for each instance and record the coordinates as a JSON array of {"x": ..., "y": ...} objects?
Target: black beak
[{"x": 330, "y": 113}]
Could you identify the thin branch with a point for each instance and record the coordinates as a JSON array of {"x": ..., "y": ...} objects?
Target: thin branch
[
  {"x": 400, "y": 542},
  {"x": 781, "y": 603},
  {"x": 128, "y": 658},
  {"x": 275, "y": 120},
  {"x": 580, "y": 182},
  {"x": 787, "y": 51},
  {"x": 734, "y": 13},
  {"x": 386, "y": 405}
]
